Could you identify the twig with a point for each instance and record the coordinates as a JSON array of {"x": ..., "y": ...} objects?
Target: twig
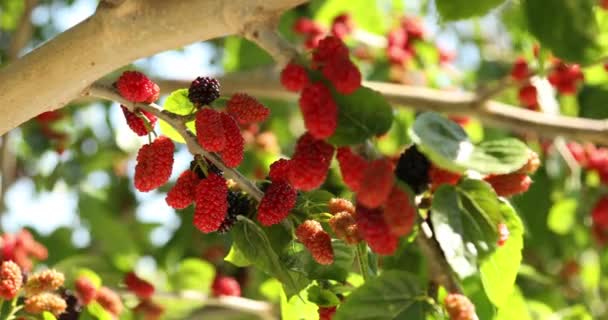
[
  {"x": 264, "y": 34},
  {"x": 105, "y": 91}
]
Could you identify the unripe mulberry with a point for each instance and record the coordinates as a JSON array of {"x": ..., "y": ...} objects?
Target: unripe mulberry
[
  {"x": 378, "y": 180},
  {"x": 279, "y": 170},
  {"x": 47, "y": 280},
  {"x": 311, "y": 234},
  {"x": 211, "y": 203},
  {"x": 85, "y": 290},
  {"x": 154, "y": 164},
  {"x": 210, "y": 130},
  {"x": 278, "y": 200},
  {"x": 109, "y": 300},
  {"x": 413, "y": 169},
  {"x": 326, "y": 313},
  {"x": 352, "y": 167},
  {"x": 11, "y": 280},
  {"x": 246, "y": 109},
  {"x": 439, "y": 176},
  {"x": 503, "y": 234},
  {"x": 375, "y": 231},
  {"x": 532, "y": 165},
  {"x": 319, "y": 110},
  {"x": 343, "y": 74},
  {"x": 136, "y": 87},
  {"x": 225, "y": 286},
  {"x": 136, "y": 123},
  {"x": 203, "y": 91},
  {"x": 294, "y": 77},
  {"x": 46, "y": 301},
  {"x": 399, "y": 213},
  {"x": 459, "y": 307},
  {"x": 310, "y": 163},
  {"x": 140, "y": 287},
  {"x": 233, "y": 152},
  {"x": 345, "y": 228},
  {"x": 340, "y": 205},
  {"x": 507, "y": 185},
  {"x": 182, "y": 193},
  {"x": 329, "y": 48}
]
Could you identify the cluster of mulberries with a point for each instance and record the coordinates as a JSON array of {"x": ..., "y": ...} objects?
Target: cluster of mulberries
[
  {"x": 136, "y": 87},
  {"x": 21, "y": 248},
  {"x": 375, "y": 231},
  {"x": 459, "y": 307},
  {"x": 311, "y": 234},
  {"x": 401, "y": 40},
  {"x": 225, "y": 286}
]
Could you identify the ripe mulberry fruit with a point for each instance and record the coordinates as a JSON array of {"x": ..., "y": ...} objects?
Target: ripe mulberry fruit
[
  {"x": 599, "y": 214},
  {"x": 238, "y": 204},
  {"x": 203, "y": 91},
  {"x": 399, "y": 213},
  {"x": 565, "y": 77},
  {"x": 310, "y": 163},
  {"x": 232, "y": 154},
  {"x": 182, "y": 193},
  {"x": 520, "y": 70},
  {"x": 140, "y": 287},
  {"x": 136, "y": 123},
  {"x": 246, "y": 109},
  {"x": 326, "y": 313},
  {"x": 311, "y": 234},
  {"x": 46, "y": 301},
  {"x": 440, "y": 176},
  {"x": 109, "y": 300},
  {"x": 528, "y": 96},
  {"x": 225, "y": 286},
  {"x": 413, "y": 169},
  {"x": 47, "y": 280},
  {"x": 136, "y": 87},
  {"x": 341, "y": 205},
  {"x": 507, "y": 185},
  {"x": 503, "y": 234},
  {"x": 11, "y": 280},
  {"x": 319, "y": 110},
  {"x": 352, "y": 167},
  {"x": 154, "y": 164},
  {"x": 345, "y": 228},
  {"x": 378, "y": 180},
  {"x": 278, "y": 200},
  {"x": 85, "y": 290},
  {"x": 374, "y": 230},
  {"x": 329, "y": 48},
  {"x": 294, "y": 77},
  {"x": 210, "y": 130},
  {"x": 211, "y": 203},
  {"x": 279, "y": 170},
  {"x": 459, "y": 307},
  {"x": 343, "y": 74},
  {"x": 342, "y": 25}
]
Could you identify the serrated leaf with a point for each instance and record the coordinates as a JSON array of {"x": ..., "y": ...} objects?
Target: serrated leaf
[
  {"x": 193, "y": 274},
  {"x": 312, "y": 202},
  {"x": 463, "y": 9},
  {"x": 253, "y": 242},
  {"x": 448, "y": 146},
  {"x": 499, "y": 270},
  {"x": 300, "y": 260},
  {"x": 392, "y": 295},
  {"x": 178, "y": 103},
  {"x": 570, "y": 30},
  {"x": 362, "y": 114}
]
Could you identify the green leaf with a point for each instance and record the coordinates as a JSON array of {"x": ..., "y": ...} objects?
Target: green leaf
[
  {"x": 314, "y": 202},
  {"x": 193, "y": 274},
  {"x": 362, "y": 114},
  {"x": 48, "y": 316},
  {"x": 465, "y": 218},
  {"x": 562, "y": 216},
  {"x": 178, "y": 103},
  {"x": 499, "y": 270},
  {"x": 392, "y": 295},
  {"x": 515, "y": 308},
  {"x": 344, "y": 257},
  {"x": 253, "y": 242},
  {"x": 322, "y": 297},
  {"x": 298, "y": 307},
  {"x": 237, "y": 258},
  {"x": 95, "y": 311},
  {"x": 463, "y": 9},
  {"x": 567, "y": 27},
  {"x": 447, "y": 145},
  {"x": 591, "y": 100},
  {"x": 365, "y": 13}
]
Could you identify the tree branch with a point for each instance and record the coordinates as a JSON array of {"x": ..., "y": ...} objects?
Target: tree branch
[
  {"x": 58, "y": 71},
  {"x": 105, "y": 91}
]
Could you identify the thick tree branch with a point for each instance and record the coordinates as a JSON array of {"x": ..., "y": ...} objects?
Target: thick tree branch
[
  {"x": 104, "y": 91},
  {"x": 61, "y": 69}
]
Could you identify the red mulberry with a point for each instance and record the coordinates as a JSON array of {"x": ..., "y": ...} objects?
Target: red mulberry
[
  {"x": 294, "y": 77},
  {"x": 211, "y": 203},
  {"x": 279, "y": 170},
  {"x": 311, "y": 234},
  {"x": 319, "y": 110},
  {"x": 154, "y": 164},
  {"x": 345, "y": 227},
  {"x": 225, "y": 286},
  {"x": 520, "y": 70},
  {"x": 210, "y": 130},
  {"x": 137, "y": 124},
  {"x": 85, "y": 289},
  {"x": 329, "y": 48},
  {"x": 378, "y": 180},
  {"x": 136, "y": 87},
  {"x": 278, "y": 200},
  {"x": 343, "y": 74},
  {"x": 375, "y": 231},
  {"x": 507, "y": 185},
  {"x": 182, "y": 193},
  {"x": 599, "y": 214},
  {"x": 310, "y": 163},
  {"x": 140, "y": 287},
  {"x": 232, "y": 154},
  {"x": 246, "y": 109},
  {"x": 399, "y": 213},
  {"x": 440, "y": 176},
  {"x": 352, "y": 167}
]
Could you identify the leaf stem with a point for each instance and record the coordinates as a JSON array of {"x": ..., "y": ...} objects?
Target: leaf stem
[{"x": 362, "y": 259}]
